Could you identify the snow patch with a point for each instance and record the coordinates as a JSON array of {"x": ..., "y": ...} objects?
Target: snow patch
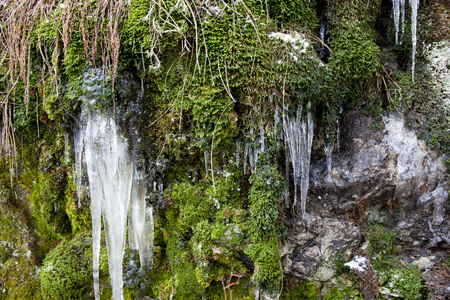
[
  {"x": 358, "y": 263},
  {"x": 297, "y": 40}
]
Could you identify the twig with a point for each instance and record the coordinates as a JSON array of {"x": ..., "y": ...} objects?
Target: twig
[{"x": 229, "y": 285}]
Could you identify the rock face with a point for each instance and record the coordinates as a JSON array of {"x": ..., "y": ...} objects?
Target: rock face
[{"x": 383, "y": 175}]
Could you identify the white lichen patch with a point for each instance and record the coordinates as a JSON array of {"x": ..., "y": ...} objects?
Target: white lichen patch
[
  {"x": 438, "y": 56},
  {"x": 358, "y": 263},
  {"x": 296, "y": 39}
]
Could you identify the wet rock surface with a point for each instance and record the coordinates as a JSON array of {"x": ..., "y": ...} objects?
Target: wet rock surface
[{"x": 383, "y": 175}]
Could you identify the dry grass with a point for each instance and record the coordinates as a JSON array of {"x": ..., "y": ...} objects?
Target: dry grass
[
  {"x": 21, "y": 18},
  {"x": 99, "y": 25}
]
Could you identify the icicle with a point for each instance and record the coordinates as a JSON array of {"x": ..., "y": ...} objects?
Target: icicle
[
  {"x": 276, "y": 124},
  {"x": 307, "y": 134},
  {"x": 79, "y": 147},
  {"x": 396, "y": 4},
  {"x": 329, "y": 158},
  {"x": 110, "y": 179},
  {"x": 286, "y": 199},
  {"x": 238, "y": 153},
  {"x": 253, "y": 158},
  {"x": 298, "y": 135},
  {"x": 261, "y": 133},
  {"x": 66, "y": 148},
  {"x": 110, "y": 171},
  {"x": 402, "y": 7},
  {"x": 322, "y": 34},
  {"x": 245, "y": 158},
  {"x": 141, "y": 223},
  {"x": 414, "y": 6}
]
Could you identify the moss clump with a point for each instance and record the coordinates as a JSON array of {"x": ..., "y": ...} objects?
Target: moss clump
[
  {"x": 407, "y": 282},
  {"x": 381, "y": 242},
  {"x": 267, "y": 189},
  {"x": 303, "y": 290},
  {"x": 268, "y": 273},
  {"x": 302, "y": 13},
  {"x": 67, "y": 270}
]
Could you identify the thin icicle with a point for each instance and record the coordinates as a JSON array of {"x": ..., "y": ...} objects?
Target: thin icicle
[
  {"x": 276, "y": 123},
  {"x": 141, "y": 223},
  {"x": 329, "y": 158},
  {"x": 396, "y": 10},
  {"x": 238, "y": 153},
  {"x": 66, "y": 148},
  {"x": 262, "y": 138},
  {"x": 245, "y": 158},
  {"x": 322, "y": 33},
  {"x": 254, "y": 153},
  {"x": 414, "y": 7},
  {"x": 79, "y": 147},
  {"x": 286, "y": 199},
  {"x": 402, "y": 7}
]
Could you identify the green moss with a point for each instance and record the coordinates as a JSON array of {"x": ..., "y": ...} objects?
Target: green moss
[
  {"x": 381, "y": 241},
  {"x": 67, "y": 270},
  {"x": 213, "y": 115},
  {"x": 300, "y": 12},
  {"x": 186, "y": 283},
  {"x": 408, "y": 283},
  {"x": 268, "y": 273},
  {"x": 267, "y": 188},
  {"x": 45, "y": 180},
  {"x": 19, "y": 279},
  {"x": 304, "y": 290},
  {"x": 338, "y": 294}
]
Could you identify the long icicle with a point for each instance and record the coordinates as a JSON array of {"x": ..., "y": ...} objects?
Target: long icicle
[{"x": 298, "y": 133}]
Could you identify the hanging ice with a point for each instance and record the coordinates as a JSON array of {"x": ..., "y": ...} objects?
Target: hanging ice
[
  {"x": 140, "y": 228},
  {"x": 254, "y": 150},
  {"x": 78, "y": 146},
  {"x": 298, "y": 132},
  {"x": 396, "y": 18},
  {"x": 113, "y": 183},
  {"x": 329, "y": 158},
  {"x": 399, "y": 7},
  {"x": 402, "y": 6},
  {"x": 414, "y": 6}
]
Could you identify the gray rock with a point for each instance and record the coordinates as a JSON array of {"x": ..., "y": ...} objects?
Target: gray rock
[{"x": 386, "y": 176}]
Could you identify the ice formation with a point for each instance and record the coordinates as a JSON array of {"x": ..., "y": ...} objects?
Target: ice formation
[
  {"x": 414, "y": 8},
  {"x": 114, "y": 183},
  {"x": 399, "y": 9},
  {"x": 254, "y": 149},
  {"x": 298, "y": 132},
  {"x": 329, "y": 158}
]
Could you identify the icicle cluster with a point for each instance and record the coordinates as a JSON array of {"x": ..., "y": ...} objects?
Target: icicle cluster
[
  {"x": 399, "y": 7},
  {"x": 253, "y": 152},
  {"x": 298, "y": 134},
  {"x": 117, "y": 190}
]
